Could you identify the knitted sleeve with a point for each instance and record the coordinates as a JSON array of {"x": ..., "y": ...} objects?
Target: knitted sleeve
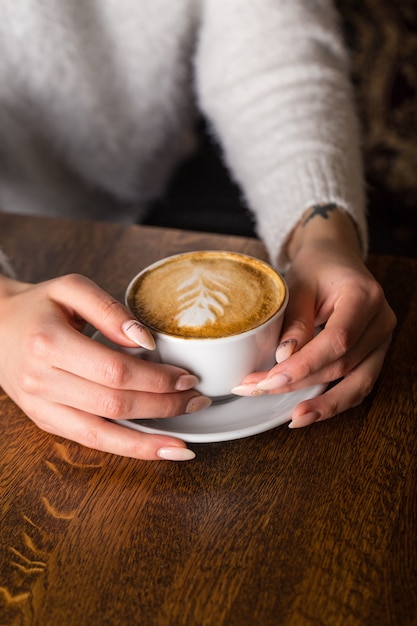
[
  {"x": 5, "y": 266},
  {"x": 273, "y": 79}
]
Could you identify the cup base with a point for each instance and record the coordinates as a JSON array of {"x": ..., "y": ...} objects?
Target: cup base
[{"x": 223, "y": 399}]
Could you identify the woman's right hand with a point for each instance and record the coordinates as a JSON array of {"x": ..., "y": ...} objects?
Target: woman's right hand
[{"x": 67, "y": 383}]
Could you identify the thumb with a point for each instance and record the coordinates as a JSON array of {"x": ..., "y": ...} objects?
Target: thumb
[
  {"x": 87, "y": 300},
  {"x": 298, "y": 326}
]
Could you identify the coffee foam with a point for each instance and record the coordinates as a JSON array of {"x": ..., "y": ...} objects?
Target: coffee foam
[{"x": 207, "y": 294}]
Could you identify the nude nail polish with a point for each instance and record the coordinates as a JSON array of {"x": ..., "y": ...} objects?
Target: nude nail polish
[
  {"x": 175, "y": 454},
  {"x": 274, "y": 382},
  {"x": 305, "y": 420},
  {"x": 198, "y": 403},
  {"x": 135, "y": 331},
  {"x": 285, "y": 350},
  {"x": 248, "y": 390},
  {"x": 186, "y": 382}
]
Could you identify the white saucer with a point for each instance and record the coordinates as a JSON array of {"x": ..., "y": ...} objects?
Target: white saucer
[{"x": 241, "y": 417}]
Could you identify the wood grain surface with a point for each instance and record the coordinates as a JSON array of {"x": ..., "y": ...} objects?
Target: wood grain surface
[{"x": 315, "y": 526}]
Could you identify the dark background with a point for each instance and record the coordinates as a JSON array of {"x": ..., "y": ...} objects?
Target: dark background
[{"x": 382, "y": 38}]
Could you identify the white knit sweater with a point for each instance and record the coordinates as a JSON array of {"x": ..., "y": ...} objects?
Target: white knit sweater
[{"x": 98, "y": 101}]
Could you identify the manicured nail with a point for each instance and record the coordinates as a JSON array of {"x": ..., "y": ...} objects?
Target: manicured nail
[
  {"x": 198, "y": 403},
  {"x": 304, "y": 420},
  {"x": 285, "y": 350},
  {"x": 139, "y": 334},
  {"x": 248, "y": 390},
  {"x": 274, "y": 382},
  {"x": 175, "y": 454},
  {"x": 185, "y": 382}
]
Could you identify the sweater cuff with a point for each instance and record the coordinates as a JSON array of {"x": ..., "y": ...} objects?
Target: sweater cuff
[
  {"x": 301, "y": 189},
  {"x": 5, "y": 266}
]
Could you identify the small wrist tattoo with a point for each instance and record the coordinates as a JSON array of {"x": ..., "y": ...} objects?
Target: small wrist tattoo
[{"x": 322, "y": 210}]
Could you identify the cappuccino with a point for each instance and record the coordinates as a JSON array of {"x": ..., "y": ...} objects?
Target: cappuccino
[{"x": 206, "y": 294}]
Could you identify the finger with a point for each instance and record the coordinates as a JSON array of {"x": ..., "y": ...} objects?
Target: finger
[
  {"x": 332, "y": 353},
  {"x": 94, "y": 432},
  {"x": 349, "y": 392},
  {"x": 70, "y": 351},
  {"x": 69, "y": 390},
  {"x": 100, "y": 309},
  {"x": 297, "y": 330},
  {"x": 303, "y": 369},
  {"x": 298, "y": 326},
  {"x": 279, "y": 381},
  {"x": 343, "y": 329}
]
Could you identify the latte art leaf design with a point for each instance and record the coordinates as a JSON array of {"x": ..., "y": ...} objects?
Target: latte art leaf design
[{"x": 202, "y": 298}]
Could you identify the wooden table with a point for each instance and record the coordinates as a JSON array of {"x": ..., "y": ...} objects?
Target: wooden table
[{"x": 315, "y": 526}]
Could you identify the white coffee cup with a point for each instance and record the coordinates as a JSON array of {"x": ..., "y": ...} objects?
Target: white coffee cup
[{"x": 217, "y": 314}]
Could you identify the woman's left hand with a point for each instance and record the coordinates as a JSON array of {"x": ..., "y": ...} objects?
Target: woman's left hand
[{"x": 329, "y": 285}]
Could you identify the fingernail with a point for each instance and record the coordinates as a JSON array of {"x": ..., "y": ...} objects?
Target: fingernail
[
  {"x": 274, "y": 382},
  {"x": 139, "y": 334},
  {"x": 285, "y": 350},
  {"x": 198, "y": 403},
  {"x": 248, "y": 390},
  {"x": 175, "y": 454},
  {"x": 185, "y": 382},
  {"x": 304, "y": 420}
]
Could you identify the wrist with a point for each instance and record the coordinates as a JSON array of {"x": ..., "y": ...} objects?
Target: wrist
[{"x": 324, "y": 225}]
